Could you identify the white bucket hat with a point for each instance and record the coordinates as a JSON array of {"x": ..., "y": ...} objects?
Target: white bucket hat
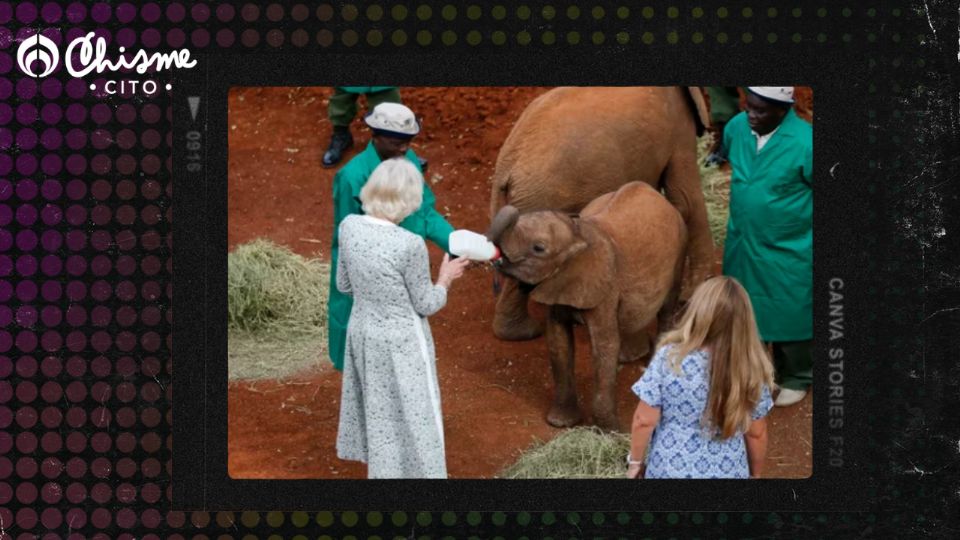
[
  {"x": 393, "y": 119},
  {"x": 782, "y": 94}
]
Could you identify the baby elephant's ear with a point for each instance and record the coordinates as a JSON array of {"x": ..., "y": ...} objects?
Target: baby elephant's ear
[{"x": 584, "y": 280}]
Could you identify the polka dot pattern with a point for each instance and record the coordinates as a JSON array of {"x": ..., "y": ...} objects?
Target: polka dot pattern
[
  {"x": 85, "y": 259},
  {"x": 278, "y": 25},
  {"x": 85, "y": 248}
]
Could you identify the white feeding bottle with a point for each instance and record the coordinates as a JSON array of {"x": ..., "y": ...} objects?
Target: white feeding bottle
[{"x": 473, "y": 246}]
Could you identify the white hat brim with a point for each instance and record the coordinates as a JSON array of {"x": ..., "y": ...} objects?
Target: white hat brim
[{"x": 770, "y": 98}]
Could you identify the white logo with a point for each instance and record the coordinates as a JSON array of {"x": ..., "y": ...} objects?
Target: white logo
[
  {"x": 38, "y": 48},
  {"x": 91, "y": 52}
]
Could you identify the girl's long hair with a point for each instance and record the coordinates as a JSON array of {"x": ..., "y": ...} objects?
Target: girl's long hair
[{"x": 719, "y": 316}]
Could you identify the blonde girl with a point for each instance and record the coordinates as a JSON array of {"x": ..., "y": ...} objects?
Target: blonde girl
[{"x": 706, "y": 392}]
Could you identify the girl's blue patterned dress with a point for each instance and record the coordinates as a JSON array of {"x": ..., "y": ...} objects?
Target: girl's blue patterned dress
[{"x": 681, "y": 447}]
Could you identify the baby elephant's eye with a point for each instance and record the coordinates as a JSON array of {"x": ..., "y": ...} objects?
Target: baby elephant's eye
[{"x": 539, "y": 248}]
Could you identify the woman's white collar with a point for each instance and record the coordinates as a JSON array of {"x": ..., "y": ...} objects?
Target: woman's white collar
[{"x": 377, "y": 220}]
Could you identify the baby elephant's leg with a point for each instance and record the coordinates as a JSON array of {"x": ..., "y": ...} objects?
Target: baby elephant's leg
[
  {"x": 511, "y": 320},
  {"x": 565, "y": 412},
  {"x": 605, "y": 346}
]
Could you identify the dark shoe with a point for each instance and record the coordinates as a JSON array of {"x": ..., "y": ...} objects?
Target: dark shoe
[
  {"x": 423, "y": 164},
  {"x": 714, "y": 159},
  {"x": 339, "y": 142}
]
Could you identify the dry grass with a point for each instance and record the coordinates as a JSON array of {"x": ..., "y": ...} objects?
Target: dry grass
[
  {"x": 266, "y": 356},
  {"x": 716, "y": 192},
  {"x": 276, "y": 311},
  {"x": 581, "y": 452}
]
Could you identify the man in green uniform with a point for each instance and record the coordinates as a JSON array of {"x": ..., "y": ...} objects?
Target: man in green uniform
[
  {"x": 342, "y": 109},
  {"x": 769, "y": 246},
  {"x": 393, "y": 125}
]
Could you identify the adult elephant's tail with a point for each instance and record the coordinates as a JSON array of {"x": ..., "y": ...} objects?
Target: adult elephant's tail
[
  {"x": 698, "y": 106},
  {"x": 499, "y": 190}
]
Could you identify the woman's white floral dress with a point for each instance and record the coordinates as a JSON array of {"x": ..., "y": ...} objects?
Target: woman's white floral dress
[
  {"x": 680, "y": 447},
  {"x": 390, "y": 403}
]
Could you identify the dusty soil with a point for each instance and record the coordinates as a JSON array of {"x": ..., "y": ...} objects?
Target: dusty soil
[{"x": 495, "y": 394}]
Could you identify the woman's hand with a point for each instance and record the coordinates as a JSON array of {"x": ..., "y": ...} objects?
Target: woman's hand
[
  {"x": 451, "y": 270},
  {"x": 635, "y": 472}
]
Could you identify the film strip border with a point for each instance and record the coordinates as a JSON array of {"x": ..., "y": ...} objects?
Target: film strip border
[
  {"x": 85, "y": 252},
  {"x": 402, "y": 26},
  {"x": 912, "y": 114}
]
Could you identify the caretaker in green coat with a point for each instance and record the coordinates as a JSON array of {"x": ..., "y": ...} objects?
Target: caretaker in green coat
[
  {"x": 393, "y": 126},
  {"x": 769, "y": 246}
]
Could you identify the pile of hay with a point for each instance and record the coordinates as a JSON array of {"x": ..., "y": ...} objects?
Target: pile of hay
[
  {"x": 276, "y": 311},
  {"x": 581, "y": 452},
  {"x": 716, "y": 191},
  {"x": 272, "y": 289}
]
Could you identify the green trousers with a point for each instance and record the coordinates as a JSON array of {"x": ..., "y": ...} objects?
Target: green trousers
[
  {"x": 793, "y": 361},
  {"x": 724, "y": 103},
  {"x": 343, "y": 105}
]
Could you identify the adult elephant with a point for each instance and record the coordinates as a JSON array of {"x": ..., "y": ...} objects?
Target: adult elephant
[{"x": 572, "y": 145}]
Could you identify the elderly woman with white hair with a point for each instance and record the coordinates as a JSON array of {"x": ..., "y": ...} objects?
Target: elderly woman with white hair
[{"x": 390, "y": 401}]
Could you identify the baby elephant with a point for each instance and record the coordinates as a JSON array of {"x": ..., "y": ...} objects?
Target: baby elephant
[{"x": 614, "y": 268}]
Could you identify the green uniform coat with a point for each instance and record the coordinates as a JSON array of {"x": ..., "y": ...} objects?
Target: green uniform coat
[
  {"x": 365, "y": 89},
  {"x": 769, "y": 246},
  {"x": 347, "y": 183}
]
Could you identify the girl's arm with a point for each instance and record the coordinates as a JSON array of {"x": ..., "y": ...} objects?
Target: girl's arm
[
  {"x": 756, "y": 439},
  {"x": 645, "y": 420}
]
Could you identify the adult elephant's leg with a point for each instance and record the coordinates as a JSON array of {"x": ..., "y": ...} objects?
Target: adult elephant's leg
[
  {"x": 634, "y": 344},
  {"x": 669, "y": 311},
  {"x": 511, "y": 320},
  {"x": 564, "y": 412},
  {"x": 681, "y": 185},
  {"x": 605, "y": 348}
]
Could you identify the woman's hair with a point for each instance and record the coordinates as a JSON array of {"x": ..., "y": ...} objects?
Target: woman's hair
[
  {"x": 719, "y": 316},
  {"x": 394, "y": 190}
]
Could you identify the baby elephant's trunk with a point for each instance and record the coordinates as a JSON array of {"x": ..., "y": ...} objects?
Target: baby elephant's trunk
[{"x": 504, "y": 219}]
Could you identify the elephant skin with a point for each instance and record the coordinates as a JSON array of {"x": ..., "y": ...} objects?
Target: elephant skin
[
  {"x": 615, "y": 268},
  {"x": 572, "y": 145}
]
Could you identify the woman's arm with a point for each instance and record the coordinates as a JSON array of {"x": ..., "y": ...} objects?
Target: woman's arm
[
  {"x": 645, "y": 420},
  {"x": 343, "y": 279},
  {"x": 426, "y": 297},
  {"x": 756, "y": 439}
]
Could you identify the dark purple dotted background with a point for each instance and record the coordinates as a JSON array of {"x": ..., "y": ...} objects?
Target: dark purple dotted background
[{"x": 84, "y": 284}]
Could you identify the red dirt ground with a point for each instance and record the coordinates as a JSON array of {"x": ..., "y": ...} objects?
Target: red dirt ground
[{"x": 495, "y": 394}]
